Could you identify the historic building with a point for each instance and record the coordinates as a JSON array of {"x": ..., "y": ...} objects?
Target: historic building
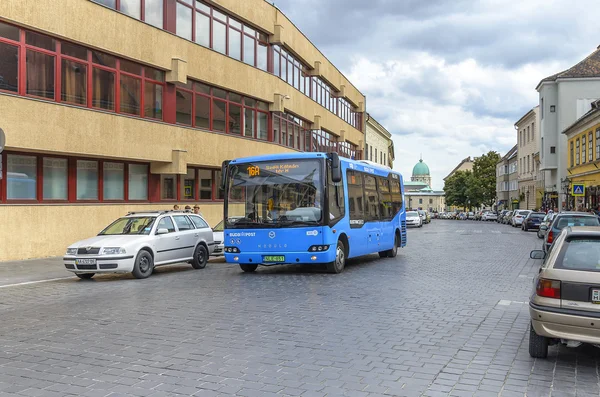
[
  {"x": 379, "y": 146},
  {"x": 507, "y": 181},
  {"x": 112, "y": 106},
  {"x": 528, "y": 139},
  {"x": 564, "y": 98},
  {"x": 583, "y": 159},
  {"x": 419, "y": 194}
]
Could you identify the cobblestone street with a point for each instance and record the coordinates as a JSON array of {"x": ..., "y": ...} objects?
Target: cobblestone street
[{"x": 448, "y": 316}]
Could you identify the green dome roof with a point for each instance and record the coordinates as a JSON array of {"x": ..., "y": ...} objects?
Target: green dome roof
[{"x": 421, "y": 169}]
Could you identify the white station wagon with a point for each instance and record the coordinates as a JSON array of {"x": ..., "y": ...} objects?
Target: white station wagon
[{"x": 138, "y": 242}]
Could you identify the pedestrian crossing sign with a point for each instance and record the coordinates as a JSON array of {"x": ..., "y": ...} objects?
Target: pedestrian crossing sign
[{"x": 578, "y": 190}]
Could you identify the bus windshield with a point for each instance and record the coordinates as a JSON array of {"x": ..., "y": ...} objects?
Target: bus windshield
[{"x": 282, "y": 193}]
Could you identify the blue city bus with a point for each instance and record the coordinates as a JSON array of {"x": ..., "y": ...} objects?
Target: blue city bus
[{"x": 310, "y": 208}]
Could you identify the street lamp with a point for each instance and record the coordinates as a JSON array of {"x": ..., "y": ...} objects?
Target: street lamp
[{"x": 527, "y": 194}]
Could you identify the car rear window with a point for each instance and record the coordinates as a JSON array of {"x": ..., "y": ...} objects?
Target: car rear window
[
  {"x": 580, "y": 254},
  {"x": 523, "y": 213},
  {"x": 537, "y": 216},
  {"x": 573, "y": 220}
]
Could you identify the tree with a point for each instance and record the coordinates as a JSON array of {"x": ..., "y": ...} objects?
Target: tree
[
  {"x": 456, "y": 189},
  {"x": 484, "y": 177}
]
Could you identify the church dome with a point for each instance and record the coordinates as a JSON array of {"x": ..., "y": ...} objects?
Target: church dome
[{"x": 421, "y": 169}]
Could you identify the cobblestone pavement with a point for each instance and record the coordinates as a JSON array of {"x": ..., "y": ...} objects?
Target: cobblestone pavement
[{"x": 448, "y": 316}]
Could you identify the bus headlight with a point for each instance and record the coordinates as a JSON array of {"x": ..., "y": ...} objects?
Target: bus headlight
[
  {"x": 232, "y": 250},
  {"x": 320, "y": 248}
]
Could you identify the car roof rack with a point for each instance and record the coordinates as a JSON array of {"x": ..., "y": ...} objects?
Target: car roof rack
[{"x": 160, "y": 212}]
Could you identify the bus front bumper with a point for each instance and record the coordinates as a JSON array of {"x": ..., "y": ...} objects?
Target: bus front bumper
[{"x": 289, "y": 258}]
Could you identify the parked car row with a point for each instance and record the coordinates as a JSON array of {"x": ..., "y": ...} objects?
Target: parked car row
[
  {"x": 417, "y": 218},
  {"x": 564, "y": 306},
  {"x": 486, "y": 215}
]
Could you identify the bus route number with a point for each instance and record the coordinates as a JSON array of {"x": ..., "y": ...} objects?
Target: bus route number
[{"x": 253, "y": 171}]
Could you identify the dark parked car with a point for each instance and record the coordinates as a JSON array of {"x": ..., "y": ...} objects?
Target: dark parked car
[
  {"x": 533, "y": 221},
  {"x": 501, "y": 216},
  {"x": 545, "y": 223},
  {"x": 567, "y": 219}
]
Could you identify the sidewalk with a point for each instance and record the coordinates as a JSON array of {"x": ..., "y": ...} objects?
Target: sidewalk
[
  {"x": 15, "y": 272},
  {"x": 33, "y": 270}
]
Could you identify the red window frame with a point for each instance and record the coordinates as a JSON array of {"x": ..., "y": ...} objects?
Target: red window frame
[
  {"x": 196, "y": 198},
  {"x": 193, "y": 88},
  {"x": 71, "y": 180},
  {"x": 245, "y": 31},
  {"x": 298, "y": 126},
  {"x": 90, "y": 65},
  {"x": 142, "y": 10}
]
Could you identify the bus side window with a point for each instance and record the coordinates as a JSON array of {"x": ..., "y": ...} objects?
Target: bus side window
[
  {"x": 355, "y": 195},
  {"x": 337, "y": 204},
  {"x": 385, "y": 202},
  {"x": 371, "y": 198},
  {"x": 396, "y": 197}
]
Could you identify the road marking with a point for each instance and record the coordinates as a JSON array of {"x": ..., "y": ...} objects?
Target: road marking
[
  {"x": 496, "y": 232},
  {"x": 34, "y": 282}
]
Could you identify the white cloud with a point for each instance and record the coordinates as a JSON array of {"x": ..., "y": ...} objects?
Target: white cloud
[{"x": 447, "y": 111}]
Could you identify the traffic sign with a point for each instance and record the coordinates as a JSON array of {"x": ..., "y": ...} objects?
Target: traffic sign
[{"x": 578, "y": 190}]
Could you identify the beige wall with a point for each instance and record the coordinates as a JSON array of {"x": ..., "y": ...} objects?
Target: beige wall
[
  {"x": 527, "y": 146},
  {"x": 376, "y": 139},
  {"x": 55, "y": 227},
  {"x": 98, "y": 27},
  {"x": 439, "y": 202}
]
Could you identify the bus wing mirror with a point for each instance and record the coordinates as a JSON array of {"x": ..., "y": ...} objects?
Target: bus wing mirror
[
  {"x": 336, "y": 168},
  {"x": 224, "y": 168}
]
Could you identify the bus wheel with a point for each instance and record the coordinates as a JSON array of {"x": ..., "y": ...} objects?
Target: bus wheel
[
  {"x": 337, "y": 266},
  {"x": 248, "y": 268},
  {"x": 394, "y": 251}
]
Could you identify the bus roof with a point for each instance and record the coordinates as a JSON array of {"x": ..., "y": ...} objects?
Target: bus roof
[{"x": 307, "y": 155}]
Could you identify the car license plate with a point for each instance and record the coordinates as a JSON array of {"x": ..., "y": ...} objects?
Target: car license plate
[
  {"x": 85, "y": 261},
  {"x": 274, "y": 258},
  {"x": 596, "y": 296}
]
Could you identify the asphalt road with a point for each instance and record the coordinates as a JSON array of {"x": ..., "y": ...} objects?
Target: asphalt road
[{"x": 448, "y": 316}]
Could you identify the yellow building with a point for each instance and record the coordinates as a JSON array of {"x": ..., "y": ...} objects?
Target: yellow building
[
  {"x": 583, "y": 143},
  {"x": 110, "y": 106}
]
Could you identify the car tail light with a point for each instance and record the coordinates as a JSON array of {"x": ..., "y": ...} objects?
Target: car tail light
[
  {"x": 548, "y": 288},
  {"x": 550, "y": 237}
]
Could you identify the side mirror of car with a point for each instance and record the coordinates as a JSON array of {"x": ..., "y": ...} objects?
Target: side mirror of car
[
  {"x": 162, "y": 231},
  {"x": 537, "y": 254},
  {"x": 543, "y": 227}
]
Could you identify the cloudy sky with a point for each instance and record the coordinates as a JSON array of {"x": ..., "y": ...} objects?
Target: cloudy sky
[{"x": 448, "y": 78}]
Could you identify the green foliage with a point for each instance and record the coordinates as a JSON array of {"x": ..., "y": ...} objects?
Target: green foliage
[
  {"x": 484, "y": 175},
  {"x": 459, "y": 190}
]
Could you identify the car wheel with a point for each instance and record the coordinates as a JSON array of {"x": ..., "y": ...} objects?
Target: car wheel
[
  {"x": 200, "y": 257},
  {"x": 538, "y": 345},
  {"x": 85, "y": 276},
  {"x": 338, "y": 264},
  {"x": 248, "y": 268},
  {"x": 539, "y": 235},
  {"x": 143, "y": 266}
]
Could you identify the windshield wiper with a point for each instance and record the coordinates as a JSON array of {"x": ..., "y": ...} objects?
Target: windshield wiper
[{"x": 299, "y": 223}]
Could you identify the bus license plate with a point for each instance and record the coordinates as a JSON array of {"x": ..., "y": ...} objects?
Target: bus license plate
[
  {"x": 85, "y": 261},
  {"x": 596, "y": 296},
  {"x": 274, "y": 258}
]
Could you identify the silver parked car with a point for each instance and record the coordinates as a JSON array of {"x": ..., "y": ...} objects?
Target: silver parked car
[
  {"x": 138, "y": 242},
  {"x": 565, "y": 303}
]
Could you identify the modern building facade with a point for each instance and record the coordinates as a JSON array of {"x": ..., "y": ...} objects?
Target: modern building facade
[
  {"x": 418, "y": 191},
  {"x": 563, "y": 99},
  {"x": 583, "y": 159},
  {"x": 379, "y": 146},
  {"x": 527, "y": 144},
  {"x": 506, "y": 171},
  {"x": 112, "y": 106}
]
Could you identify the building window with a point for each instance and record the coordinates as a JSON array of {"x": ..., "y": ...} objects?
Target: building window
[
  {"x": 348, "y": 150},
  {"x": 138, "y": 182},
  {"x": 150, "y": 11},
  {"x": 218, "y": 110},
  {"x": 577, "y": 152},
  {"x": 590, "y": 147},
  {"x": 420, "y": 201},
  {"x": 597, "y": 143},
  {"x": 168, "y": 187},
  {"x": 55, "y": 178},
  {"x": 113, "y": 181},
  {"x": 188, "y": 185},
  {"x": 293, "y": 132},
  {"x": 583, "y": 150},
  {"x": 21, "y": 176},
  {"x": 552, "y": 149},
  {"x": 138, "y": 85},
  {"x": 552, "y": 108},
  {"x": 572, "y": 155},
  {"x": 227, "y": 35},
  {"x": 87, "y": 180}
]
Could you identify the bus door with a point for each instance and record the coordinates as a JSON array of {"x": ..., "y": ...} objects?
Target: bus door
[{"x": 385, "y": 214}]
